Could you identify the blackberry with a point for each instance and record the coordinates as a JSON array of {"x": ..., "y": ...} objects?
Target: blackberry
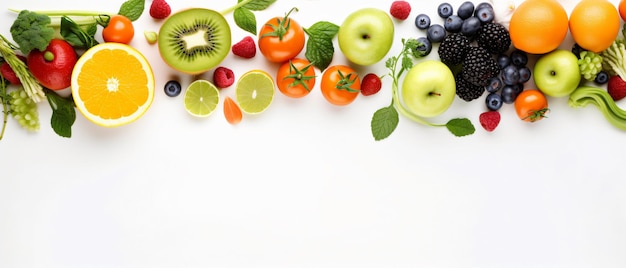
[
  {"x": 453, "y": 48},
  {"x": 466, "y": 90},
  {"x": 494, "y": 37},
  {"x": 479, "y": 66}
]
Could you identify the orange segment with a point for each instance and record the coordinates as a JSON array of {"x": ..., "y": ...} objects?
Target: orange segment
[{"x": 112, "y": 84}]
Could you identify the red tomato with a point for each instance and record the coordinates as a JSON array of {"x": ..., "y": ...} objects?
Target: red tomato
[
  {"x": 281, "y": 39},
  {"x": 120, "y": 30},
  {"x": 531, "y": 105},
  {"x": 53, "y": 66},
  {"x": 340, "y": 85},
  {"x": 296, "y": 78}
]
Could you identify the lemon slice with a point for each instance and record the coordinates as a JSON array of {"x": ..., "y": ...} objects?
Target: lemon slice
[
  {"x": 201, "y": 98},
  {"x": 255, "y": 91}
]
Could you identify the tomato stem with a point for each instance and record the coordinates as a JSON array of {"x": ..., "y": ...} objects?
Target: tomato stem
[
  {"x": 280, "y": 29},
  {"x": 298, "y": 76}
]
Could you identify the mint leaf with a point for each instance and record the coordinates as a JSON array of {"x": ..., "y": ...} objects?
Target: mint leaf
[
  {"x": 460, "y": 127},
  {"x": 384, "y": 122},
  {"x": 258, "y": 5},
  {"x": 63, "y": 114},
  {"x": 245, "y": 19},
  {"x": 132, "y": 9},
  {"x": 319, "y": 46}
]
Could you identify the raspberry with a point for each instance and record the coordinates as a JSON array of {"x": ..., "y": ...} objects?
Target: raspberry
[
  {"x": 616, "y": 87},
  {"x": 159, "y": 9},
  {"x": 370, "y": 84},
  {"x": 246, "y": 48},
  {"x": 489, "y": 120},
  {"x": 223, "y": 77},
  {"x": 400, "y": 10}
]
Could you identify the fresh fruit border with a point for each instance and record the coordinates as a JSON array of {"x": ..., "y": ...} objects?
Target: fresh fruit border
[{"x": 478, "y": 56}]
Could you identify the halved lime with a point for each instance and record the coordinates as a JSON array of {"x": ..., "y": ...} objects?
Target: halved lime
[
  {"x": 201, "y": 98},
  {"x": 255, "y": 91}
]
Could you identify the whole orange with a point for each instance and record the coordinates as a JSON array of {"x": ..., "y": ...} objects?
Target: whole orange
[
  {"x": 538, "y": 26},
  {"x": 622, "y": 9},
  {"x": 594, "y": 24}
]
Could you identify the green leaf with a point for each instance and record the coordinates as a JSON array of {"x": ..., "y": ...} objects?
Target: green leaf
[
  {"x": 132, "y": 9},
  {"x": 258, "y": 5},
  {"x": 63, "y": 114},
  {"x": 384, "y": 122},
  {"x": 460, "y": 127},
  {"x": 319, "y": 47},
  {"x": 75, "y": 35},
  {"x": 245, "y": 19}
]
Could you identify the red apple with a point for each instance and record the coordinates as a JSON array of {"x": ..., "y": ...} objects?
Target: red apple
[{"x": 53, "y": 66}]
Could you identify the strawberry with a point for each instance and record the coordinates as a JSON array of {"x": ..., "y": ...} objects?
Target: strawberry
[
  {"x": 246, "y": 48},
  {"x": 9, "y": 74},
  {"x": 370, "y": 84},
  {"x": 616, "y": 87},
  {"x": 489, "y": 120},
  {"x": 223, "y": 77},
  {"x": 159, "y": 9},
  {"x": 400, "y": 10}
]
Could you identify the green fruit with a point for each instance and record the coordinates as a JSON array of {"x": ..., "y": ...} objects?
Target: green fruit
[
  {"x": 194, "y": 40},
  {"x": 366, "y": 36},
  {"x": 201, "y": 98}
]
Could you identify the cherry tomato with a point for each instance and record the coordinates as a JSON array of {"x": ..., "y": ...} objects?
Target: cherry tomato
[
  {"x": 296, "y": 78},
  {"x": 120, "y": 30},
  {"x": 281, "y": 39},
  {"x": 340, "y": 85},
  {"x": 531, "y": 105}
]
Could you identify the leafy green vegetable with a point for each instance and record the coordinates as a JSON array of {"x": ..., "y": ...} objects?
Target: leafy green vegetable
[
  {"x": 31, "y": 85},
  {"x": 319, "y": 46},
  {"x": 63, "y": 114},
  {"x": 460, "y": 127},
  {"x": 245, "y": 19},
  {"x": 257, "y": 5},
  {"x": 76, "y": 36},
  {"x": 384, "y": 122},
  {"x": 132, "y": 9},
  {"x": 31, "y": 30}
]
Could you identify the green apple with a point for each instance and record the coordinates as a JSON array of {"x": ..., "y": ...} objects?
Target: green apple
[
  {"x": 366, "y": 36},
  {"x": 557, "y": 73},
  {"x": 428, "y": 89}
]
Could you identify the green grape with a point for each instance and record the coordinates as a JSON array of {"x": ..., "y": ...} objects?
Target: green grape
[
  {"x": 24, "y": 109},
  {"x": 590, "y": 64}
]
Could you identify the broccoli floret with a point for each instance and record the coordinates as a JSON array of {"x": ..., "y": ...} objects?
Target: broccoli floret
[{"x": 32, "y": 31}]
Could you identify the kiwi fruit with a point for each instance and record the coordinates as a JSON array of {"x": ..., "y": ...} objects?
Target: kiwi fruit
[{"x": 194, "y": 40}]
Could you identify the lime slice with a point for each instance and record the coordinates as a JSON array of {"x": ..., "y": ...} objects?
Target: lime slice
[
  {"x": 201, "y": 98},
  {"x": 255, "y": 91}
]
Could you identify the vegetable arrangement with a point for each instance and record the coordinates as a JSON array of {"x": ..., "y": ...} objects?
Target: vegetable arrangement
[{"x": 46, "y": 46}]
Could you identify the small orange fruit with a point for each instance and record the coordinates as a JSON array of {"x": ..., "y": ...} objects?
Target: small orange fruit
[
  {"x": 112, "y": 84},
  {"x": 538, "y": 26},
  {"x": 622, "y": 9},
  {"x": 594, "y": 24}
]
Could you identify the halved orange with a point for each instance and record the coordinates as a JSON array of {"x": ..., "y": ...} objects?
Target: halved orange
[{"x": 112, "y": 84}]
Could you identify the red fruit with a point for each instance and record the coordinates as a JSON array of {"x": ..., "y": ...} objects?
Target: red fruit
[
  {"x": 370, "y": 84},
  {"x": 400, "y": 10},
  {"x": 489, "y": 120},
  {"x": 223, "y": 77},
  {"x": 246, "y": 48},
  {"x": 9, "y": 74},
  {"x": 159, "y": 9},
  {"x": 53, "y": 66},
  {"x": 616, "y": 87}
]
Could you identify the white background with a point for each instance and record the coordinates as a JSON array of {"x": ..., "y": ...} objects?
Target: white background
[{"x": 304, "y": 184}]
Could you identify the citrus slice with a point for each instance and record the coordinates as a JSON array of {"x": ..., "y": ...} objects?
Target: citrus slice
[
  {"x": 255, "y": 91},
  {"x": 201, "y": 98},
  {"x": 112, "y": 84}
]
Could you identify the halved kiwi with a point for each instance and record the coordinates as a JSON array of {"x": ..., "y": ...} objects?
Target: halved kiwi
[{"x": 194, "y": 40}]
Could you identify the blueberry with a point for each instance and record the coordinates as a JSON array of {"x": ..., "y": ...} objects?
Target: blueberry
[
  {"x": 485, "y": 15},
  {"x": 445, "y": 10},
  {"x": 483, "y": 5},
  {"x": 509, "y": 93},
  {"x": 470, "y": 26},
  {"x": 503, "y": 60},
  {"x": 576, "y": 49},
  {"x": 425, "y": 46},
  {"x": 510, "y": 75},
  {"x": 495, "y": 84},
  {"x": 524, "y": 74},
  {"x": 466, "y": 9},
  {"x": 453, "y": 24},
  {"x": 436, "y": 33},
  {"x": 602, "y": 78},
  {"x": 519, "y": 58},
  {"x": 172, "y": 88},
  {"x": 494, "y": 101},
  {"x": 422, "y": 21}
]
